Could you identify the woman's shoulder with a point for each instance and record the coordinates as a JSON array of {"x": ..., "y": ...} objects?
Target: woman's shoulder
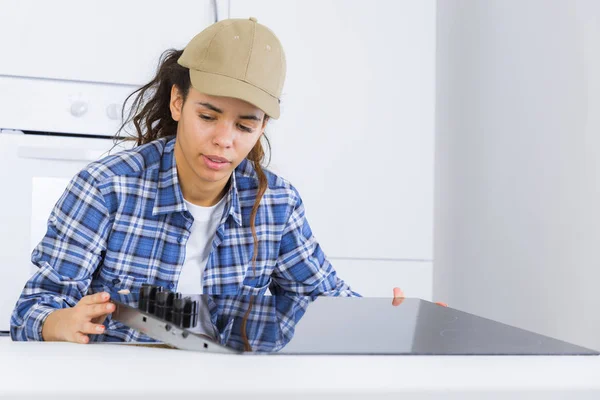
[
  {"x": 247, "y": 179},
  {"x": 131, "y": 161}
]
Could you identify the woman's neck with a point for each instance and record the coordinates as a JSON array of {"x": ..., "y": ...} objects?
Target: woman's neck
[{"x": 201, "y": 196}]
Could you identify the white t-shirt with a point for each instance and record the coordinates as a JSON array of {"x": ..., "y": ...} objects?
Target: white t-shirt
[{"x": 197, "y": 249}]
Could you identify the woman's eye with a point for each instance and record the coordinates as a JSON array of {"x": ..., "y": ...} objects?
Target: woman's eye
[
  {"x": 206, "y": 117},
  {"x": 245, "y": 128}
]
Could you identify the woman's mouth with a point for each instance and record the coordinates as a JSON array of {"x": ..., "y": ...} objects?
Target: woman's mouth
[{"x": 215, "y": 163}]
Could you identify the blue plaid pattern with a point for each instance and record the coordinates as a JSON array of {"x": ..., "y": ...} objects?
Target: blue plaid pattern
[
  {"x": 122, "y": 221},
  {"x": 270, "y": 320}
]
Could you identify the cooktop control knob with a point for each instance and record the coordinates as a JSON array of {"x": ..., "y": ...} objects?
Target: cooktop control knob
[
  {"x": 163, "y": 306},
  {"x": 147, "y": 299},
  {"x": 185, "y": 312}
]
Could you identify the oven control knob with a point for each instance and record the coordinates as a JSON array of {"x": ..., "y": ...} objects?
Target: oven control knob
[
  {"x": 113, "y": 111},
  {"x": 78, "y": 108}
]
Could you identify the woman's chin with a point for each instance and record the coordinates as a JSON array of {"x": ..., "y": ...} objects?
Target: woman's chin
[{"x": 214, "y": 176}]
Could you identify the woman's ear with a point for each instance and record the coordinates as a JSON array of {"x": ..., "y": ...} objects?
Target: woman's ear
[
  {"x": 176, "y": 103},
  {"x": 264, "y": 123}
]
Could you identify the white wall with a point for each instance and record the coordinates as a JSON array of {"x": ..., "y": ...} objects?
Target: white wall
[
  {"x": 517, "y": 221},
  {"x": 356, "y": 134}
]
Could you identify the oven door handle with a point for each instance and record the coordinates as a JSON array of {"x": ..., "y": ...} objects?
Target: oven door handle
[{"x": 53, "y": 153}]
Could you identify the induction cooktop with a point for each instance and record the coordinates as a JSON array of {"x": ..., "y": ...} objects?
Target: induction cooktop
[{"x": 323, "y": 325}]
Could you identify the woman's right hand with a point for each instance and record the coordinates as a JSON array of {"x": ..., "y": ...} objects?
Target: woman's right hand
[{"x": 76, "y": 323}]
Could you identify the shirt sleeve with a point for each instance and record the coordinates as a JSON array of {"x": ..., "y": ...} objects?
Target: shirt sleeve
[
  {"x": 66, "y": 258},
  {"x": 302, "y": 267}
]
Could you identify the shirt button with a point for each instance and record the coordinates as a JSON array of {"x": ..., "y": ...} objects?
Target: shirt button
[{"x": 181, "y": 239}]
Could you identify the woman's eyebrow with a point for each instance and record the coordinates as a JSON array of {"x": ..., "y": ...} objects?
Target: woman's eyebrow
[
  {"x": 218, "y": 110},
  {"x": 253, "y": 117},
  {"x": 210, "y": 107}
]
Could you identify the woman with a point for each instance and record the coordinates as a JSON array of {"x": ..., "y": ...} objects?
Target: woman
[{"x": 189, "y": 208}]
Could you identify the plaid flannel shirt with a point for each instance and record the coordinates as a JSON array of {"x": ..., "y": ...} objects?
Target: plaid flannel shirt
[{"x": 122, "y": 221}]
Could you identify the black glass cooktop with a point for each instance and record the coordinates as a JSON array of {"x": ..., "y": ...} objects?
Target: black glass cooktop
[{"x": 321, "y": 325}]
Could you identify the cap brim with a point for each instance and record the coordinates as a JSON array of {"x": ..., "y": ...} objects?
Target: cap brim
[{"x": 220, "y": 85}]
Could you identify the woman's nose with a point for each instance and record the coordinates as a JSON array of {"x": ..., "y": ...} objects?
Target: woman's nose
[{"x": 223, "y": 135}]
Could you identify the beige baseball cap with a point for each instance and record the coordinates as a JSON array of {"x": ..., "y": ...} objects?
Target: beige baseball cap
[{"x": 238, "y": 58}]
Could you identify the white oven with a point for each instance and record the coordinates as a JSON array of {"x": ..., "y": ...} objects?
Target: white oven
[
  {"x": 34, "y": 171},
  {"x": 64, "y": 74}
]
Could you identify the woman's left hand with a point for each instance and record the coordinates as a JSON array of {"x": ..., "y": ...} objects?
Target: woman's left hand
[{"x": 399, "y": 298}]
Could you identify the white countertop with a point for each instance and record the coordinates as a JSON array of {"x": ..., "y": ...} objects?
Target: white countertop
[{"x": 109, "y": 371}]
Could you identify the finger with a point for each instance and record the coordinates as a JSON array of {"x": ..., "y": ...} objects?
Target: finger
[
  {"x": 96, "y": 298},
  {"x": 439, "y": 303},
  {"x": 99, "y": 310},
  {"x": 100, "y": 319},
  {"x": 396, "y": 301},
  {"x": 81, "y": 338},
  {"x": 398, "y": 292},
  {"x": 398, "y": 297},
  {"x": 92, "y": 329}
]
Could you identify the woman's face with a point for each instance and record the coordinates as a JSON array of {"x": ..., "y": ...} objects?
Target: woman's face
[{"x": 214, "y": 135}]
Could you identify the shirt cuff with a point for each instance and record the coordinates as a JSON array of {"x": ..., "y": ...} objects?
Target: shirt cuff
[{"x": 35, "y": 322}]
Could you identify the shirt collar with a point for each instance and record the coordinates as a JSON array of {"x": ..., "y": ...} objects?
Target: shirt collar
[{"x": 169, "y": 198}]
